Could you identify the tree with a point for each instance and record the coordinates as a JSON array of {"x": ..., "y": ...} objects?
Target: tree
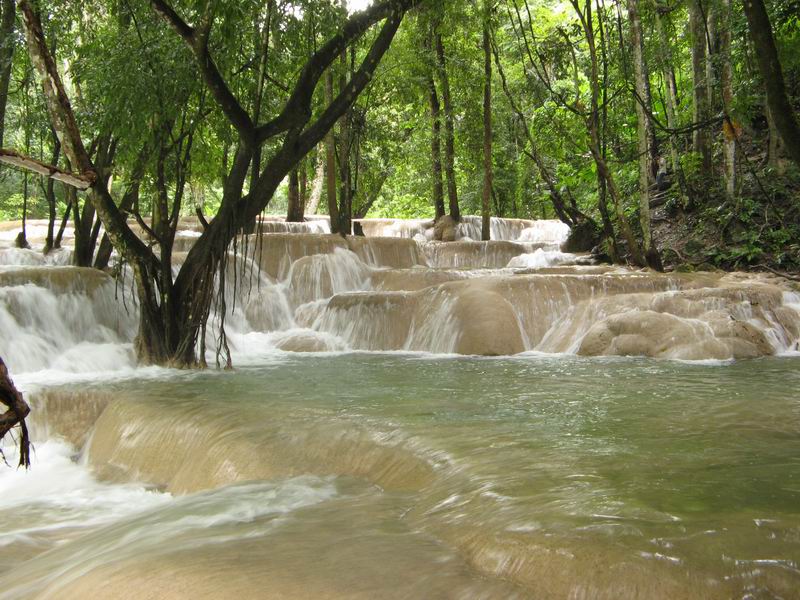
[
  {"x": 593, "y": 123},
  {"x": 486, "y": 231},
  {"x": 702, "y": 108},
  {"x": 174, "y": 311},
  {"x": 770, "y": 67},
  {"x": 646, "y": 134},
  {"x": 436, "y": 132},
  {"x": 7, "y": 45},
  {"x": 449, "y": 129}
]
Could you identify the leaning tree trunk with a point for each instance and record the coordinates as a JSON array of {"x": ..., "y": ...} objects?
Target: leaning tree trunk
[{"x": 770, "y": 67}]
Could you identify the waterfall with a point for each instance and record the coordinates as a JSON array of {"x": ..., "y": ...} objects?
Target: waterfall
[
  {"x": 64, "y": 319},
  {"x": 256, "y": 472},
  {"x": 315, "y": 292}
]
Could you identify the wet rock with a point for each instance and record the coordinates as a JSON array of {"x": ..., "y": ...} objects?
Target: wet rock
[
  {"x": 445, "y": 229},
  {"x": 582, "y": 238}
]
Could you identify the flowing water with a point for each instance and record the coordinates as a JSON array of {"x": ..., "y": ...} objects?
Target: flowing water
[{"x": 386, "y": 460}]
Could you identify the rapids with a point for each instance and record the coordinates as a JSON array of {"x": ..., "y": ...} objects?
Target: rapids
[{"x": 408, "y": 419}]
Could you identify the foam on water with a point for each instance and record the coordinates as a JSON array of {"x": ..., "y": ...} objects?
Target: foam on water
[
  {"x": 541, "y": 258},
  {"x": 79, "y": 326},
  {"x": 59, "y": 495}
]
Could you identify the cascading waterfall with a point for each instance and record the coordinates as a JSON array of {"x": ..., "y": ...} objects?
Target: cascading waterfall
[
  {"x": 307, "y": 292},
  {"x": 352, "y": 423},
  {"x": 64, "y": 319}
]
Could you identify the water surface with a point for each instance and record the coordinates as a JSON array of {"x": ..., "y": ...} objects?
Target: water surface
[{"x": 394, "y": 475}]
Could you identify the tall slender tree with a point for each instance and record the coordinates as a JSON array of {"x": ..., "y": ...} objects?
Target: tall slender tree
[
  {"x": 486, "y": 229},
  {"x": 646, "y": 133},
  {"x": 449, "y": 129},
  {"x": 700, "y": 91},
  {"x": 436, "y": 130},
  {"x": 7, "y": 45}
]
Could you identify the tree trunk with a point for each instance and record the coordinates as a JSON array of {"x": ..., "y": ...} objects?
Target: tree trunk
[
  {"x": 128, "y": 202},
  {"x": 262, "y": 41},
  {"x": 345, "y": 143},
  {"x": 296, "y": 207},
  {"x": 50, "y": 194},
  {"x": 729, "y": 128},
  {"x": 775, "y": 147},
  {"x": 671, "y": 98},
  {"x": 303, "y": 171},
  {"x": 646, "y": 134},
  {"x": 711, "y": 54},
  {"x": 7, "y": 15},
  {"x": 436, "y": 139},
  {"x": 330, "y": 168},
  {"x": 364, "y": 209},
  {"x": 701, "y": 114},
  {"x": 22, "y": 237},
  {"x": 486, "y": 223},
  {"x": 449, "y": 128},
  {"x": 316, "y": 187},
  {"x": 770, "y": 67},
  {"x": 595, "y": 145},
  {"x": 70, "y": 196}
]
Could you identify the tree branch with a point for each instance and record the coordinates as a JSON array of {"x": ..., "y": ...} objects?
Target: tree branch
[
  {"x": 297, "y": 110},
  {"x": 63, "y": 121},
  {"x": 197, "y": 40},
  {"x": 15, "y": 415},
  {"x": 15, "y": 159}
]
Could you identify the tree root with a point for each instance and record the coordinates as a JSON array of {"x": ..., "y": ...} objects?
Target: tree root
[{"x": 15, "y": 415}]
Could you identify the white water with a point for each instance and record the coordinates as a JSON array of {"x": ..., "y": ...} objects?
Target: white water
[
  {"x": 59, "y": 495},
  {"x": 60, "y": 325}
]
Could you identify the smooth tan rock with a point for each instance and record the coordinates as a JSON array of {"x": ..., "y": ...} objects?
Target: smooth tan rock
[
  {"x": 445, "y": 229},
  {"x": 488, "y": 324}
]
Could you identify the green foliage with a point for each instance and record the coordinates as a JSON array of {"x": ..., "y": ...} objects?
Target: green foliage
[{"x": 131, "y": 78}]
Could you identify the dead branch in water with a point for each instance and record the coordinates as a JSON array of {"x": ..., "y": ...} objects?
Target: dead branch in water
[
  {"x": 788, "y": 276},
  {"x": 15, "y": 415}
]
